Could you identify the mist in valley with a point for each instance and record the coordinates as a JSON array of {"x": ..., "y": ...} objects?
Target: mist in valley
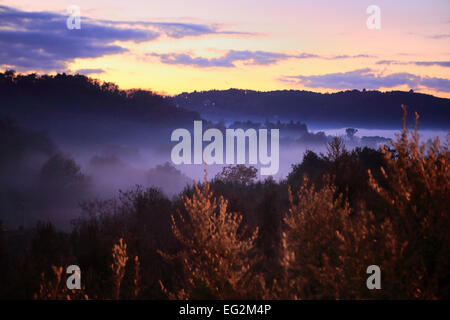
[{"x": 47, "y": 174}]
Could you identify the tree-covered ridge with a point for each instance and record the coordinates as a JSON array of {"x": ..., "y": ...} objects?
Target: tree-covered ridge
[
  {"x": 367, "y": 108},
  {"x": 65, "y": 94}
]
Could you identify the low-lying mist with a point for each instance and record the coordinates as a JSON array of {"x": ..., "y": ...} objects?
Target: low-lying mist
[{"x": 47, "y": 176}]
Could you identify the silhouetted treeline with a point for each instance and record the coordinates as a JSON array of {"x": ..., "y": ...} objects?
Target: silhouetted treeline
[
  {"x": 368, "y": 109},
  {"x": 35, "y": 97}
]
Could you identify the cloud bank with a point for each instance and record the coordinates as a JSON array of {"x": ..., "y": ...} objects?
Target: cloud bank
[{"x": 42, "y": 41}]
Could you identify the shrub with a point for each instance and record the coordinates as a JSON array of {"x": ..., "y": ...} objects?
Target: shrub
[
  {"x": 327, "y": 246},
  {"x": 217, "y": 250},
  {"x": 416, "y": 186}
]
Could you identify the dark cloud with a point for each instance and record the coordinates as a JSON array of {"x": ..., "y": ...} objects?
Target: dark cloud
[
  {"x": 433, "y": 63},
  {"x": 367, "y": 78},
  {"x": 439, "y": 84},
  {"x": 418, "y": 63},
  {"x": 42, "y": 41}
]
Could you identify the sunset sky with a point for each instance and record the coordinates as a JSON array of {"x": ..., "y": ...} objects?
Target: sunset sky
[{"x": 171, "y": 46}]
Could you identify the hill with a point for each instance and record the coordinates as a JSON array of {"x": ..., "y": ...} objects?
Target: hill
[{"x": 368, "y": 109}]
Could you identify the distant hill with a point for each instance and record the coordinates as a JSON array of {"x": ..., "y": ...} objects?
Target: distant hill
[
  {"x": 82, "y": 110},
  {"x": 369, "y": 109},
  {"x": 47, "y": 100},
  {"x": 35, "y": 97}
]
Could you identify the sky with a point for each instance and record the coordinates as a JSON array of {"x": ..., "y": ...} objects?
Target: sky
[{"x": 174, "y": 46}]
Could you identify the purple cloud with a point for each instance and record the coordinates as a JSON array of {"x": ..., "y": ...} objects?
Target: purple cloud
[
  {"x": 346, "y": 56},
  {"x": 41, "y": 40},
  {"x": 178, "y": 30},
  {"x": 248, "y": 57},
  {"x": 229, "y": 59},
  {"x": 367, "y": 78},
  {"x": 417, "y": 63},
  {"x": 89, "y": 71}
]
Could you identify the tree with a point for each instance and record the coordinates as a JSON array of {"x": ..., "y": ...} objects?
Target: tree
[
  {"x": 237, "y": 174},
  {"x": 416, "y": 186},
  {"x": 312, "y": 165},
  {"x": 63, "y": 173},
  {"x": 326, "y": 246},
  {"x": 336, "y": 149},
  {"x": 217, "y": 250},
  {"x": 351, "y": 133}
]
